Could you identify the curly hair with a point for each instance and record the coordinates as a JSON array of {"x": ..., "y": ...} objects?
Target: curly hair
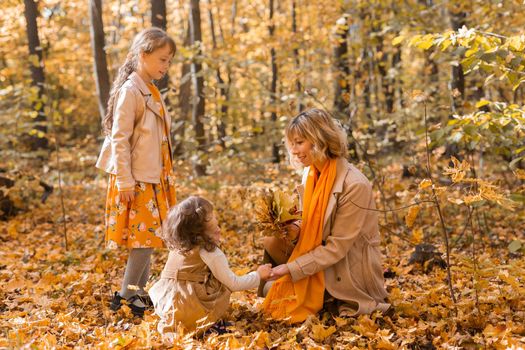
[
  {"x": 324, "y": 132},
  {"x": 185, "y": 227}
]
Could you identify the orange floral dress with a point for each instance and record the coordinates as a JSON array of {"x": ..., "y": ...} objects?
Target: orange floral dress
[{"x": 139, "y": 224}]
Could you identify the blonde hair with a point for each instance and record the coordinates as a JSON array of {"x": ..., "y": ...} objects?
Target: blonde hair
[
  {"x": 146, "y": 41},
  {"x": 185, "y": 227},
  {"x": 324, "y": 132}
]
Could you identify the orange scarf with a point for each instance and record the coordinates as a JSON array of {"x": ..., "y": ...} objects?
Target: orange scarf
[
  {"x": 294, "y": 301},
  {"x": 156, "y": 96}
]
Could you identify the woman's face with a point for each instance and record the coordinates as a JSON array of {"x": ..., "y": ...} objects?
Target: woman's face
[{"x": 301, "y": 149}]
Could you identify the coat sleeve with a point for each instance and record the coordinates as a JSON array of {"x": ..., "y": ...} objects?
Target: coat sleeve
[
  {"x": 123, "y": 124},
  {"x": 346, "y": 229},
  {"x": 220, "y": 268}
]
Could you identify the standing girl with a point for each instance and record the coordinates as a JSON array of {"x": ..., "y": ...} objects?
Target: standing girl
[
  {"x": 137, "y": 155},
  {"x": 195, "y": 286}
]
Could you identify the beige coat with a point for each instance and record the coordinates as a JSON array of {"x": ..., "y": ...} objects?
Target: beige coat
[
  {"x": 133, "y": 150},
  {"x": 349, "y": 255},
  {"x": 188, "y": 293}
]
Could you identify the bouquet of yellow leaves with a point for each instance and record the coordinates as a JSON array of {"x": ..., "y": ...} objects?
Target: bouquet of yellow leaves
[{"x": 274, "y": 209}]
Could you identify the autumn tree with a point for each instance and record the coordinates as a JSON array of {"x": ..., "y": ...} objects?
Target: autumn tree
[
  {"x": 341, "y": 68},
  {"x": 297, "y": 60},
  {"x": 37, "y": 138},
  {"x": 273, "y": 85},
  {"x": 199, "y": 99},
  {"x": 99, "y": 55},
  {"x": 184, "y": 98},
  {"x": 158, "y": 19},
  {"x": 457, "y": 79},
  {"x": 223, "y": 87}
]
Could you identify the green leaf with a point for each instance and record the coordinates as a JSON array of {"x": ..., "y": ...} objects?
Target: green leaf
[
  {"x": 398, "y": 40},
  {"x": 519, "y": 150},
  {"x": 482, "y": 103},
  {"x": 514, "y": 246},
  {"x": 514, "y": 161},
  {"x": 437, "y": 135},
  {"x": 470, "y": 129},
  {"x": 516, "y": 197}
]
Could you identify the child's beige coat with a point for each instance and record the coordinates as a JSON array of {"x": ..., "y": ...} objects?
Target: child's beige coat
[{"x": 133, "y": 150}]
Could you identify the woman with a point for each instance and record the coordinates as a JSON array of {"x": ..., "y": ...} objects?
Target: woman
[{"x": 337, "y": 251}]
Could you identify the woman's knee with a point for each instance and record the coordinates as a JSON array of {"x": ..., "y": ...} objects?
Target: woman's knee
[
  {"x": 269, "y": 243},
  {"x": 274, "y": 246},
  {"x": 277, "y": 248}
]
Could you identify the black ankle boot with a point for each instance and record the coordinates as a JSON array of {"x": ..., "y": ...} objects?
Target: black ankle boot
[
  {"x": 136, "y": 310},
  {"x": 116, "y": 303},
  {"x": 146, "y": 300}
]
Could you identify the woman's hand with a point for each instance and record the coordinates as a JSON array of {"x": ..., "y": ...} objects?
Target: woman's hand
[
  {"x": 279, "y": 271},
  {"x": 264, "y": 271},
  {"x": 126, "y": 196},
  {"x": 292, "y": 230}
]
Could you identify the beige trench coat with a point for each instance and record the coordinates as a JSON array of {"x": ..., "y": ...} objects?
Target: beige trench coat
[
  {"x": 188, "y": 293},
  {"x": 349, "y": 255},
  {"x": 133, "y": 150}
]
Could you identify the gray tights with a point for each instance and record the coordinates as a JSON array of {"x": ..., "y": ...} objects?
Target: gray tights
[{"x": 137, "y": 272}]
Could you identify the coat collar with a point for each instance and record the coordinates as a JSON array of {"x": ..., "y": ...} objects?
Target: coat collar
[
  {"x": 140, "y": 83},
  {"x": 144, "y": 90},
  {"x": 342, "y": 168},
  {"x": 340, "y": 175}
]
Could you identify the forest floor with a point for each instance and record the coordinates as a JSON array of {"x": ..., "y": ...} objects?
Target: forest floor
[{"x": 57, "y": 298}]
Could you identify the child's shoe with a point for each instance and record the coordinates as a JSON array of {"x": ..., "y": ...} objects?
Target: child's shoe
[
  {"x": 115, "y": 303},
  {"x": 146, "y": 300},
  {"x": 220, "y": 327},
  {"x": 136, "y": 310}
]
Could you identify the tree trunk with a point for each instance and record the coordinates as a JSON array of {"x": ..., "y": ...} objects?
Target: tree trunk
[
  {"x": 38, "y": 140},
  {"x": 276, "y": 158},
  {"x": 457, "y": 82},
  {"x": 99, "y": 55},
  {"x": 390, "y": 94},
  {"x": 365, "y": 58},
  {"x": 184, "y": 101},
  {"x": 158, "y": 14},
  {"x": 298, "y": 87},
  {"x": 341, "y": 72},
  {"x": 223, "y": 89},
  {"x": 198, "y": 105},
  {"x": 158, "y": 19}
]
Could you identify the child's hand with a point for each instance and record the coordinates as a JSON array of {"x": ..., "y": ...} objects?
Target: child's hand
[
  {"x": 264, "y": 271},
  {"x": 127, "y": 196}
]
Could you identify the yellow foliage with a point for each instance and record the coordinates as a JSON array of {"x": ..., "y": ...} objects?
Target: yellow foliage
[
  {"x": 458, "y": 170},
  {"x": 273, "y": 210},
  {"x": 520, "y": 174},
  {"x": 411, "y": 216},
  {"x": 424, "y": 184},
  {"x": 417, "y": 235},
  {"x": 320, "y": 333},
  {"x": 260, "y": 340}
]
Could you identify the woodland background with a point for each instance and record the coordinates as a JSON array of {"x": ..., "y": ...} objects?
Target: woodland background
[{"x": 430, "y": 93}]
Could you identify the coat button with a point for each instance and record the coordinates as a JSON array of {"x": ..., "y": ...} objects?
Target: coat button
[{"x": 338, "y": 279}]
